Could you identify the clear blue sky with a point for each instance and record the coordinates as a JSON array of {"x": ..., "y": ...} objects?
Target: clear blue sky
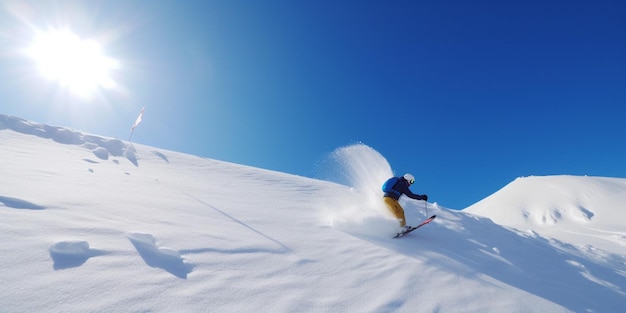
[{"x": 466, "y": 95}]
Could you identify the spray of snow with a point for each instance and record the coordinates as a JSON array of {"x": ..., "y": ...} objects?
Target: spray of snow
[{"x": 360, "y": 209}]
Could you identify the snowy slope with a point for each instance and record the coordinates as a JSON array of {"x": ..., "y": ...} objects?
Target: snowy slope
[
  {"x": 90, "y": 224},
  {"x": 577, "y": 209}
]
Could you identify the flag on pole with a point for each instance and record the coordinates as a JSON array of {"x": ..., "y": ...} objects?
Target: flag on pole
[{"x": 138, "y": 120}]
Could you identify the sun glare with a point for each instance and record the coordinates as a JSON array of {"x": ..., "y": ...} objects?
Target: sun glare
[{"x": 76, "y": 64}]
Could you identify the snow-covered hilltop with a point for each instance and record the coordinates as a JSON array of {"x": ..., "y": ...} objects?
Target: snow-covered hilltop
[
  {"x": 93, "y": 224},
  {"x": 576, "y": 209}
]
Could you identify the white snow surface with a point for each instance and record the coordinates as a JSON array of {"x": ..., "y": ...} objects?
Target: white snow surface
[{"x": 93, "y": 224}]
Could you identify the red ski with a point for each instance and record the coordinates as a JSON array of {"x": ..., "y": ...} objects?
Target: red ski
[{"x": 412, "y": 228}]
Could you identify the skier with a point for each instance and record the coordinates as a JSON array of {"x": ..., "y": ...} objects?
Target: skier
[{"x": 393, "y": 193}]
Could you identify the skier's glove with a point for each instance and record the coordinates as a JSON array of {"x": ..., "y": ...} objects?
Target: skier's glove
[{"x": 424, "y": 197}]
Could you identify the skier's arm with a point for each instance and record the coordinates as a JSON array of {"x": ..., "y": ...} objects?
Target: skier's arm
[
  {"x": 416, "y": 197},
  {"x": 408, "y": 193}
]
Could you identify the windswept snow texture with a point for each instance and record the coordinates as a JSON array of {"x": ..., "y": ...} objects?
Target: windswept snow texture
[{"x": 140, "y": 229}]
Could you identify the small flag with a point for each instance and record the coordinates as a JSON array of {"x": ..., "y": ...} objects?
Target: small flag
[{"x": 138, "y": 119}]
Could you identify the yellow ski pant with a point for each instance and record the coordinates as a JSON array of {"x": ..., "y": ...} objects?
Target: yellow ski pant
[{"x": 396, "y": 209}]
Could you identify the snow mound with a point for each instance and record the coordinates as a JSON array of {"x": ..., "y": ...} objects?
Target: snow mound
[
  {"x": 66, "y": 254},
  {"x": 160, "y": 257}
]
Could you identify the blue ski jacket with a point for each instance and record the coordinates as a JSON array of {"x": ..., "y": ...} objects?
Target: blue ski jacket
[{"x": 402, "y": 187}]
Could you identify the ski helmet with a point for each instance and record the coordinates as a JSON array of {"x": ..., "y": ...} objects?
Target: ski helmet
[{"x": 409, "y": 178}]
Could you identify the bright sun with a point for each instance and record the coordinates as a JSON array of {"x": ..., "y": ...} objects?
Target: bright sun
[{"x": 77, "y": 64}]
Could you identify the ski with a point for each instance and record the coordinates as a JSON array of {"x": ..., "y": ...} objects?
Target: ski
[{"x": 412, "y": 228}]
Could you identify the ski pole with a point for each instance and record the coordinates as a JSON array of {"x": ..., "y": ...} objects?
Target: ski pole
[{"x": 426, "y": 206}]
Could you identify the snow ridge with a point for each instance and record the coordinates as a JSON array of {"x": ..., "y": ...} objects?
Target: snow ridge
[{"x": 100, "y": 146}]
